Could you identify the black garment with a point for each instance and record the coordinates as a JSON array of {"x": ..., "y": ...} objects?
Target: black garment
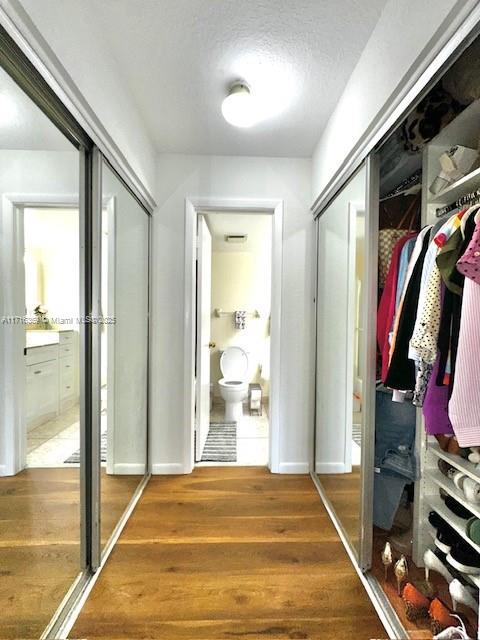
[{"x": 401, "y": 373}]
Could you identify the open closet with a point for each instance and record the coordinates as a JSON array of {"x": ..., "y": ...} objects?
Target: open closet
[{"x": 406, "y": 388}]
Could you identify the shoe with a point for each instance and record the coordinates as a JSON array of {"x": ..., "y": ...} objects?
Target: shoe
[
  {"x": 387, "y": 558},
  {"x": 453, "y": 633},
  {"x": 434, "y": 563},
  {"x": 461, "y": 594},
  {"x": 456, "y": 508},
  {"x": 436, "y": 521},
  {"x": 401, "y": 572},
  {"x": 464, "y": 558},
  {"x": 446, "y": 538},
  {"x": 445, "y": 468},
  {"x": 440, "y": 617},
  {"x": 416, "y": 604},
  {"x": 471, "y": 489}
]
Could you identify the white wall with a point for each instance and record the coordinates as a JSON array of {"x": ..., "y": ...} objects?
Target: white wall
[
  {"x": 241, "y": 280},
  {"x": 72, "y": 31},
  {"x": 180, "y": 176},
  {"x": 404, "y": 29}
]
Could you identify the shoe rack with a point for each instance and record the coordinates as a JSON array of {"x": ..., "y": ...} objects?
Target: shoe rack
[{"x": 464, "y": 130}]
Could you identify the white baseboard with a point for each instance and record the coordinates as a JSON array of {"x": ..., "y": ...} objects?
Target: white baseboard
[
  {"x": 167, "y": 469},
  {"x": 3, "y": 470},
  {"x": 330, "y": 467},
  {"x": 293, "y": 467},
  {"x": 129, "y": 469}
]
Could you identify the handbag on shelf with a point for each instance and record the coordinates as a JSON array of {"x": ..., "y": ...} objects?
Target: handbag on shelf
[{"x": 388, "y": 238}]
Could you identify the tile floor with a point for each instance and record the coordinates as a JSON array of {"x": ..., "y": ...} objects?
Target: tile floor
[
  {"x": 51, "y": 443},
  {"x": 252, "y": 437}
]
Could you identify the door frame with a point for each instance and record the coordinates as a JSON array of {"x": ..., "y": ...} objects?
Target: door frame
[{"x": 194, "y": 206}]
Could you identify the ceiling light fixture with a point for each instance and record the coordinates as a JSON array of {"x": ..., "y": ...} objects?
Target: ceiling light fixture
[{"x": 239, "y": 108}]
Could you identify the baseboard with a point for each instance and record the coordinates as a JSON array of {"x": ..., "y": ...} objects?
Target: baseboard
[
  {"x": 167, "y": 469},
  {"x": 129, "y": 469},
  {"x": 329, "y": 467},
  {"x": 293, "y": 467},
  {"x": 3, "y": 470}
]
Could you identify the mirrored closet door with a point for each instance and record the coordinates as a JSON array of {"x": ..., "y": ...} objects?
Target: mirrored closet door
[
  {"x": 40, "y": 433},
  {"x": 123, "y": 348},
  {"x": 340, "y": 394}
]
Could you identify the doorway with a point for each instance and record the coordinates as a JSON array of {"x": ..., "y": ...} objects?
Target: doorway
[
  {"x": 246, "y": 331},
  {"x": 233, "y": 285}
]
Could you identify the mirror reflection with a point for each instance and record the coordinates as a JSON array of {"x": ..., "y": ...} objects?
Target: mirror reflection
[
  {"x": 124, "y": 349},
  {"x": 39, "y": 370},
  {"x": 340, "y": 377}
]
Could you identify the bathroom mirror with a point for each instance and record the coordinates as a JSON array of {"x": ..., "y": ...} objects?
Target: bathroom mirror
[
  {"x": 124, "y": 349},
  {"x": 340, "y": 357},
  {"x": 40, "y": 495}
]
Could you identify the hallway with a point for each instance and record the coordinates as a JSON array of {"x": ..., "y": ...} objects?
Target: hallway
[{"x": 229, "y": 552}]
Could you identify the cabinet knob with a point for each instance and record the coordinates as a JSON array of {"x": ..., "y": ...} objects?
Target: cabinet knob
[{"x": 37, "y": 372}]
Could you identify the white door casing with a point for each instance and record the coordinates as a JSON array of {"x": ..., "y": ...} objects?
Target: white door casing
[{"x": 204, "y": 304}]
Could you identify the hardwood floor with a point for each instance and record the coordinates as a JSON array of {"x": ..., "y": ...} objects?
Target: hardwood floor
[
  {"x": 40, "y": 542},
  {"x": 229, "y": 552},
  {"x": 344, "y": 492}
]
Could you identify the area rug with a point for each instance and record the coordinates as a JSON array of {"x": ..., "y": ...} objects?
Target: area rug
[
  {"x": 75, "y": 457},
  {"x": 221, "y": 443}
]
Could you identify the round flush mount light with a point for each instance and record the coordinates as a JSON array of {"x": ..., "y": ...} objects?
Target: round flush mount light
[{"x": 239, "y": 107}]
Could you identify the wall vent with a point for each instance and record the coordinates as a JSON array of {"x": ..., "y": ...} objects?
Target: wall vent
[{"x": 236, "y": 237}]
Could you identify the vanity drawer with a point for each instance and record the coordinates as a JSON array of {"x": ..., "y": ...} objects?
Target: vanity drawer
[
  {"x": 65, "y": 337},
  {"x": 66, "y": 365},
  {"x": 42, "y": 391},
  {"x": 67, "y": 383},
  {"x": 41, "y": 354},
  {"x": 66, "y": 350}
]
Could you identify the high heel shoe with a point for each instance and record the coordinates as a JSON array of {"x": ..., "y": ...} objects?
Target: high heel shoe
[
  {"x": 416, "y": 604},
  {"x": 433, "y": 563},
  {"x": 387, "y": 558},
  {"x": 401, "y": 572},
  {"x": 461, "y": 594},
  {"x": 453, "y": 633},
  {"x": 440, "y": 617}
]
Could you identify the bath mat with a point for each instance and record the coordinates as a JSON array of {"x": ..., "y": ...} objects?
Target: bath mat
[
  {"x": 357, "y": 434},
  {"x": 221, "y": 443},
  {"x": 75, "y": 457}
]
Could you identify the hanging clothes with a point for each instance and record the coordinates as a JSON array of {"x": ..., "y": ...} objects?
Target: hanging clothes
[
  {"x": 464, "y": 405},
  {"x": 401, "y": 372},
  {"x": 386, "y": 308}
]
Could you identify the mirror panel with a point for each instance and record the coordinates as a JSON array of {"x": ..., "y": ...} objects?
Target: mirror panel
[
  {"x": 124, "y": 349},
  {"x": 340, "y": 358},
  {"x": 40, "y": 544}
]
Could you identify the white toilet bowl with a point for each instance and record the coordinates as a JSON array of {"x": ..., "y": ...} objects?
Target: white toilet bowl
[{"x": 234, "y": 384}]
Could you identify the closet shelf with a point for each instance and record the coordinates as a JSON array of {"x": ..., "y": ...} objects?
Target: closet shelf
[
  {"x": 470, "y": 182},
  {"x": 469, "y": 468},
  {"x": 445, "y": 483},
  {"x": 459, "y": 524}
]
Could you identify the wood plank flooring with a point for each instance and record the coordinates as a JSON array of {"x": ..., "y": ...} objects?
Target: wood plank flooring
[
  {"x": 225, "y": 553},
  {"x": 40, "y": 542}
]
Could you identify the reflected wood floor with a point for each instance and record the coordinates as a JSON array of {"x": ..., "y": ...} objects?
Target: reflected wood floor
[
  {"x": 225, "y": 553},
  {"x": 344, "y": 492},
  {"x": 40, "y": 542}
]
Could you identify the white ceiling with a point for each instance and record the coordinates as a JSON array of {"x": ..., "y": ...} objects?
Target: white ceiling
[
  {"x": 23, "y": 126},
  {"x": 178, "y": 58},
  {"x": 257, "y": 226}
]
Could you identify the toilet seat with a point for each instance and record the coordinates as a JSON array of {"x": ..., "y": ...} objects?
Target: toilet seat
[{"x": 234, "y": 365}]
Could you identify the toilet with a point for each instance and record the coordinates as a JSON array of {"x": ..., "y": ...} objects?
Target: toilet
[{"x": 234, "y": 384}]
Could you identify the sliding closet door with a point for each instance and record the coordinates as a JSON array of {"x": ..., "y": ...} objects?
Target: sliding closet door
[
  {"x": 41, "y": 430},
  {"x": 123, "y": 376},
  {"x": 341, "y": 354}
]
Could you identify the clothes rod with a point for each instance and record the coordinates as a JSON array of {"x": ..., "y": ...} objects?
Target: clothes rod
[
  {"x": 467, "y": 199},
  {"x": 220, "y": 312}
]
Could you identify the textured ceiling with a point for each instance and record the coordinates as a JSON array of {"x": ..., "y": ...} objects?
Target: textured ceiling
[{"x": 178, "y": 58}]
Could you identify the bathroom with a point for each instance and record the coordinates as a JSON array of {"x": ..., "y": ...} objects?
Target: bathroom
[{"x": 239, "y": 298}]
